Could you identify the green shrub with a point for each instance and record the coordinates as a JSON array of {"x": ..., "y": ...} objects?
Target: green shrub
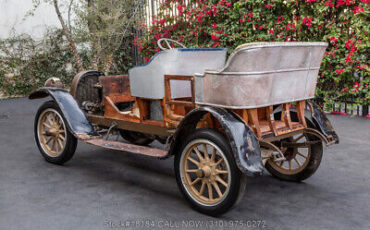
[{"x": 26, "y": 64}]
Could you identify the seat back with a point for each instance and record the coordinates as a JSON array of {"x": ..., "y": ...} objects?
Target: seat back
[
  {"x": 147, "y": 81},
  {"x": 263, "y": 74}
]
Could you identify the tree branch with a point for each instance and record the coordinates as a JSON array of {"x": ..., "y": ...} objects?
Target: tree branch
[{"x": 67, "y": 33}]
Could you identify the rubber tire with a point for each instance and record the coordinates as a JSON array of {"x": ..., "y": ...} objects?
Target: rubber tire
[
  {"x": 71, "y": 141},
  {"x": 309, "y": 170},
  {"x": 238, "y": 180},
  {"x": 314, "y": 161},
  {"x": 135, "y": 137}
]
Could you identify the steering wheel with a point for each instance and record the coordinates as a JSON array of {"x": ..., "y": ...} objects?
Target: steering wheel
[{"x": 168, "y": 41}]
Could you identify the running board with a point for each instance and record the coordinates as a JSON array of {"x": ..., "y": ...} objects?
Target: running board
[{"x": 125, "y": 147}]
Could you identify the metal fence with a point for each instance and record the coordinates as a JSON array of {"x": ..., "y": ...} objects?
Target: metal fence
[{"x": 349, "y": 108}]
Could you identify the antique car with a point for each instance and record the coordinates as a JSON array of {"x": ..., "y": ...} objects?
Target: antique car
[{"x": 221, "y": 120}]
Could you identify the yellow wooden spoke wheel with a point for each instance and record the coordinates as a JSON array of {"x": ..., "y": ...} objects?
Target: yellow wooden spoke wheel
[
  {"x": 207, "y": 174},
  {"x": 55, "y": 142},
  {"x": 52, "y": 132},
  {"x": 302, "y": 159}
]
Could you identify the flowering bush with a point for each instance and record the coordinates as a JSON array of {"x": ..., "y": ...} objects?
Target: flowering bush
[{"x": 341, "y": 23}]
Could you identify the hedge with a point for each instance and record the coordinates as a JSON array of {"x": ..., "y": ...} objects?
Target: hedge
[{"x": 341, "y": 23}]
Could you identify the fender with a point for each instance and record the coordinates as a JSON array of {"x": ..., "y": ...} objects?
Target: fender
[
  {"x": 322, "y": 123},
  {"x": 76, "y": 119},
  {"x": 244, "y": 144}
]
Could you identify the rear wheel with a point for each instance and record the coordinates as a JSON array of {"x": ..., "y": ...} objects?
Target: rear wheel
[
  {"x": 55, "y": 142},
  {"x": 207, "y": 173},
  {"x": 301, "y": 162}
]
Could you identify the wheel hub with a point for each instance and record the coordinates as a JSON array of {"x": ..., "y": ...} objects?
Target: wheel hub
[{"x": 204, "y": 172}]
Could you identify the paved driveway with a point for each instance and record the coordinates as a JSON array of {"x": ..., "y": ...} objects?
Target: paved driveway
[{"x": 101, "y": 189}]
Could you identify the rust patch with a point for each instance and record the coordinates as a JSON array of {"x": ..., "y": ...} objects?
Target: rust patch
[{"x": 125, "y": 147}]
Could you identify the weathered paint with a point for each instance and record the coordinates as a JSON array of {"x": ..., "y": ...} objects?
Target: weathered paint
[
  {"x": 125, "y": 147},
  {"x": 76, "y": 119},
  {"x": 322, "y": 122},
  {"x": 243, "y": 142}
]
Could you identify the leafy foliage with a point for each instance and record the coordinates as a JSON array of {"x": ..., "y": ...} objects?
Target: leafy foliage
[
  {"x": 101, "y": 30},
  {"x": 341, "y": 23},
  {"x": 26, "y": 64}
]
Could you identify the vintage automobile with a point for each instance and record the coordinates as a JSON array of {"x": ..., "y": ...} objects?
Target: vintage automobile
[{"x": 221, "y": 120}]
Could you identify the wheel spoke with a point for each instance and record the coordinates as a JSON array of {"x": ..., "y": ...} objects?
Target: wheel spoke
[
  {"x": 62, "y": 137},
  {"x": 46, "y": 125},
  {"x": 290, "y": 165},
  {"x": 215, "y": 185},
  {"x": 48, "y": 141},
  {"x": 60, "y": 144},
  {"x": 206, "y": 156},
  {"x": 54, "y": 118},
  {"x": 195, "y": 181},
  {"x": 298, "y": 163},
  {"x": 210, "y": 192},
  {"x": 57, "y": 146},
  {"x": 221, "y": 181},
  {"x": 202, "y": 187},
  {"x": 191, "y": 170},
  {"x": 193, "y": 161},
  {"x": 53, "y": 145},
  {"x": 219, "y": 161},
  {"x": 218, "y": 171},
  {"x": 198, "y": 153},
  {"x": 298, "y": 138},
  {"x": 213, "y": 154},
  {"x": 302, "y": 155},
  {"x": 49, "y": 119}
]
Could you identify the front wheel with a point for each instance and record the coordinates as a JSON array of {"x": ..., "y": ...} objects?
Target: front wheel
[
  {"x": 55, "y": 142},
  {"x": 207, "y": 173}
]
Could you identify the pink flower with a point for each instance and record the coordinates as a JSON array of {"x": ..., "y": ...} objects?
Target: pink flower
[
  {"x": 280, "y": 19},
  {"x": 214, "y": 25},
  {"x": 333, "y": 40},
  {"x": 268, "y": 6},
  {"x": 358, "y": 9},
  {"x": 200, "y": 18},
  {"x": 348, "y": 44},
  {"x": 216, "y": 44},
  {"x": 307, "y": 21},
  {"x": 214, "y": 37},
  {"x": 329, "y": 3},
  {"x": 180, "y": 9},
  {"x": 339, "y": 71}
]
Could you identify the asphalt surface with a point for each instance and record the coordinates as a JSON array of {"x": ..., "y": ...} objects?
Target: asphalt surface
[{"x": 103, "y": 189}]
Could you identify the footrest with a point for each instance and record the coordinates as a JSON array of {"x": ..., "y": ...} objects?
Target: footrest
[{"x": 125, "y": 147}]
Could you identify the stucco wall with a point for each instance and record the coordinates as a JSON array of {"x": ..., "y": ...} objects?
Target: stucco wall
[{"x": 12, "y": 13}]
